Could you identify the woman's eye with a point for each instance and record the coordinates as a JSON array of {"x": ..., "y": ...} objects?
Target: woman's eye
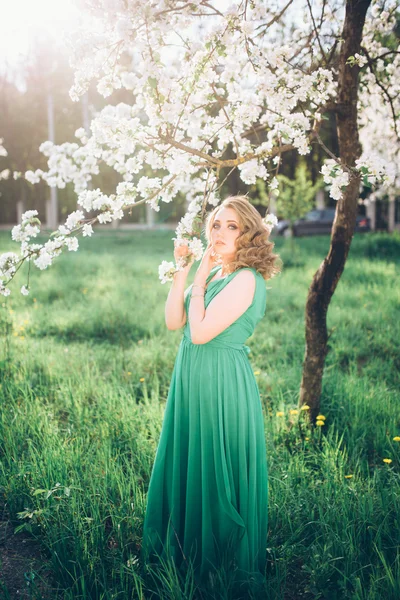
[{"x": 216, "y": 225}]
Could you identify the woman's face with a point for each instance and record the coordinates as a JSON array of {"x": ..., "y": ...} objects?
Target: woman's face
[{"x": 225, "y": 229}]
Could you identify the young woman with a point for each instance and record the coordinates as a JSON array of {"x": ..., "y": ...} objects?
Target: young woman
[{"x": 208, "y": 491}]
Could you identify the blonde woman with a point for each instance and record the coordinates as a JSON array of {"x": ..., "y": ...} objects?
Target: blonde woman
[{"x": 207, "y": 500}]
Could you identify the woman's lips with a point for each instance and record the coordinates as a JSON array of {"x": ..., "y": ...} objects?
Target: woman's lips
[{"x": 220, "y": 243}]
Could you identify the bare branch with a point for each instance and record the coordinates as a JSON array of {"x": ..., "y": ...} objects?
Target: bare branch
[
  {"x": 273, "y": 20},
  {"x": 316, "y": 30}
]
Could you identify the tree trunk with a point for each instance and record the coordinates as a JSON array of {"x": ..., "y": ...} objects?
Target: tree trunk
[{"x": 327, "y": 277}]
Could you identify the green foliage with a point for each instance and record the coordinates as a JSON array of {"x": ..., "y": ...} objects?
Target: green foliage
[{"x": 296, "y": 197}]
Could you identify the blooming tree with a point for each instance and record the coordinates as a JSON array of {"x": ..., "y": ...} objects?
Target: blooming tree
[{"x": 217, "y": 88}]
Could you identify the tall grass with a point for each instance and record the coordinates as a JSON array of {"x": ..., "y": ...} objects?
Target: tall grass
[{"x": 85, "y": 366}]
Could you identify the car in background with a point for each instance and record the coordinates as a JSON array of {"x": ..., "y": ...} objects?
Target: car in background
[{"x": 317, "y": 222}]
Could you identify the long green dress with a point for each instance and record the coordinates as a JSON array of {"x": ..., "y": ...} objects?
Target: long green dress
[{"x": 207, "y": 499}]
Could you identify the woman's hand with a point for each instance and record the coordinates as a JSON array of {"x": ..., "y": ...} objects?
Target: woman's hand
[
  {"x": 181, "y": 250},
  {"x": 209, "y": 260}
]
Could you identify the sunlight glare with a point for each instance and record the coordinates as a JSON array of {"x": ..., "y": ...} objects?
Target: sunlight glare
[{"x": 25, "y": 21}]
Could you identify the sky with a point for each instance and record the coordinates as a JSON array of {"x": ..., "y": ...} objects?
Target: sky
[{"x": 24, "y": 20}]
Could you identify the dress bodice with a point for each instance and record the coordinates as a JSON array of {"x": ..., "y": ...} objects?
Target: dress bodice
[{"x": 237, "y": 333}]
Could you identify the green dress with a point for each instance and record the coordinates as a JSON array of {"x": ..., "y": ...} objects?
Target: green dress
[{"x": 207, "y": 499}]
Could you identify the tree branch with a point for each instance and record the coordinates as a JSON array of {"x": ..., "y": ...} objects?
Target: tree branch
[{"x": 316, "y": 30}]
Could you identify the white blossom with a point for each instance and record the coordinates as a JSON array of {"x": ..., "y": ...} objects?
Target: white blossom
[
  {"x": 72, "y": 243},
  {"x": 73, "y": 219},
  {"x": 27, "y": 215},
  {"x": 43, "y": 261},
  {"x": 336, "y": 177},
  {"x": 165, "y": 271},
  {"x": 3, "y": 151},
  {"x": 270, "y": 221},
  {"x": 87, "y": 230}
]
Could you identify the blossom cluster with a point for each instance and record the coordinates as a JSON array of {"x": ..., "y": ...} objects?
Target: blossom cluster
[
  {"x": 205, "y": 85},
  {"x": 336, "y": 177}
]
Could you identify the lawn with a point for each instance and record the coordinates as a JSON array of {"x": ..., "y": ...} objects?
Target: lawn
[{"x": 85, "y": 365}]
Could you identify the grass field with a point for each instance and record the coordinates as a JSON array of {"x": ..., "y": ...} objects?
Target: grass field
[{"x": 85, "y": 365}]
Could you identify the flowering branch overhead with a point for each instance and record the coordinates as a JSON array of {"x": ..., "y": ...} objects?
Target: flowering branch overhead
[{"x": 228, "y": 86}]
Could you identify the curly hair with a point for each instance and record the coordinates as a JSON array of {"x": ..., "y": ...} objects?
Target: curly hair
[{"x": 253, "y": 246}]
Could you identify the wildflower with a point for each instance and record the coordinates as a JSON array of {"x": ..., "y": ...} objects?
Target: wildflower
[
  {"x": 305, "y": 407},
  {"x": 306, "y": 438},
  {"x": 348, "y": 476},
  {"x": 129, "y": 373},
  {"x": 280, "y": 413},
  {"x": 141, "y": 379},
  {"x": 387, "y": 460},
  {"x": 396, "y": 438},
  {"x": 321, "y": 417},
  {"x": 320, "y": 423},
  {"x": 256, "y": 372},
  {"x": 293, "y": 411}
]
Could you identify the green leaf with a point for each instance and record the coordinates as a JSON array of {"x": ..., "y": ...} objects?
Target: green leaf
[
  {"x": 152, "y": 81},
  {"x": 366, "y": 183},
  {"x": 39, "y": 491}
]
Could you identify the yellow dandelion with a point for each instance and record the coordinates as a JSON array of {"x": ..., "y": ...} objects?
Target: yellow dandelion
[
  {"x": 11, "y": 310},
  {"x": 15, "y": 333},
  {"x": 306, "y": 438},
  {"x": 21, "y": 337},
  {"x": 25, "y": 321},
  {"x": 84, "y": 291},
  {"x": 129, "y": 373},
  {"x": 34, "y": 299},
  {"x": 293, "y": 411},
  {"x": 256, "y": 372},
  {"x": 305, "y": 407},
  {"x": 320, "y": 423},
  {"x": 387, "y": 460},
  {"x": 396, "y": 438},
  {"x": 321, "y": 417},
  {"x": 348, "y": 476},
  {"x": 141, "y": 379},
  {"x": 280, "y": 413}
]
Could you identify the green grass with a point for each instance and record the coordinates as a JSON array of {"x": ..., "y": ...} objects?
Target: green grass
[{"x": 85, "y": 366}]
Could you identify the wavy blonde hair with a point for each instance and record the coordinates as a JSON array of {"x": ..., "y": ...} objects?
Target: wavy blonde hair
[{"x": 253, "y": 248}]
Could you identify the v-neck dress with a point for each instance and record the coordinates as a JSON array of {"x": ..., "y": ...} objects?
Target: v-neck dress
[{"x": 207, "y": 500}]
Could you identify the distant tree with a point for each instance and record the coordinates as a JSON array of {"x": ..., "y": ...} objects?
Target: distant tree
[{"x": 296, "y": 196}]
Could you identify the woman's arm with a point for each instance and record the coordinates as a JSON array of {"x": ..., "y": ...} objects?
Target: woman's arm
[
  {"x": 227, "y": 306},
  {"x": 175, "y": 314}
]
